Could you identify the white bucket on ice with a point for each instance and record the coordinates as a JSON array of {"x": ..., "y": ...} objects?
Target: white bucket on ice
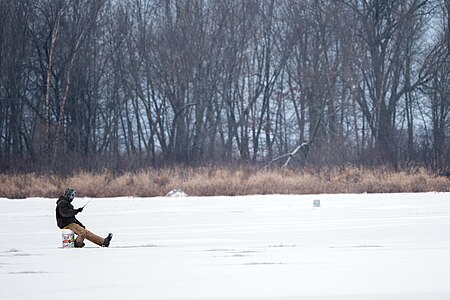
[
  {"x": 316, "y": 203},
  {"x": 68, "y": 238}
]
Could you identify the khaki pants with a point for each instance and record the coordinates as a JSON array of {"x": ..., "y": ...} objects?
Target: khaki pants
[{"x": 82, "y": 234}]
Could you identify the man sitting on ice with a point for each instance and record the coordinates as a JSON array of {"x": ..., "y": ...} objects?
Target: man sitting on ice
[{"x": 65, "y": 218}]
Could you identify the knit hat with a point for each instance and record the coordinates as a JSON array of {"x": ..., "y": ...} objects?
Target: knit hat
[{"x": 69, "y": 193}]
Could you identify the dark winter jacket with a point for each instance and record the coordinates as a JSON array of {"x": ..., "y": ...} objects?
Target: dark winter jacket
[{"x": 65, "y": 213}]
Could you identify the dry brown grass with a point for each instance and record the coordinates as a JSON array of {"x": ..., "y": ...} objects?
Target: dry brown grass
[{"x": 224, "y": 181}]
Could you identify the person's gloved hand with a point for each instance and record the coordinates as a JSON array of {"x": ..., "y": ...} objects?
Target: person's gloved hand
[{"x": 80, "y": 209}]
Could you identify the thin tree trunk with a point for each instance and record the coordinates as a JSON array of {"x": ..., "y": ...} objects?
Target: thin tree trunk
[
  {"x": 47, "y": 84},
  {"x": 68, "y": 77}
]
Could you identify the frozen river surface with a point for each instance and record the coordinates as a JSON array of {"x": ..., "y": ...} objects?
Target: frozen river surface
[{"x": 369, "y": 246}]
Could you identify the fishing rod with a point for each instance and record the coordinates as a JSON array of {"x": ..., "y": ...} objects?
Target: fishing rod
[
  {"x": 96, "y": 194},
  {"x": 87, "y": 203}
]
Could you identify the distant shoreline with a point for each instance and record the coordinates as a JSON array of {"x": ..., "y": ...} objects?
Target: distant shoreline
[{"x": 211, "y": 181}]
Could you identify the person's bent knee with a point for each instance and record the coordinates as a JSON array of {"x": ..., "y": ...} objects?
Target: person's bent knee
[{"x": 78, "y": 230}]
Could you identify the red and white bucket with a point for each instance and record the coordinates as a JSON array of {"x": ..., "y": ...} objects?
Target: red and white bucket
[{"x": 68, "y": 238}]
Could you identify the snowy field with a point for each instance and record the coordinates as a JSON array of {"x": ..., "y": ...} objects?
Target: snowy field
[{"x": 369, "y": 246}]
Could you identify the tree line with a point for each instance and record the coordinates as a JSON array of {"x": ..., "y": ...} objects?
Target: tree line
[{"x": 94, "y": 84}]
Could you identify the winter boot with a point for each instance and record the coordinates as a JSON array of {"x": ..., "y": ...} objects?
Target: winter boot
[
  {"x": 79, "y": 245},
  {"x": 107, "y": 240}
]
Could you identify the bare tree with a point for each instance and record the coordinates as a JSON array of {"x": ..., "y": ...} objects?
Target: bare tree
[
  {"x": 14, "y": 51},
  {"x": 54, "y": 34},
  {"x": 83, "y": 20},
  {"x": 381, "y": 58},
  {"x": 133, "y": 83},
  {"x": 437, "y": 66}
]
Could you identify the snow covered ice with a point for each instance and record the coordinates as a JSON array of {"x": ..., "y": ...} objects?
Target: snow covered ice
[{"x": 369, "y": 246}]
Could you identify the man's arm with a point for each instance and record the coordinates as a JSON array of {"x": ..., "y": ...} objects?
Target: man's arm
[{"x": 66, "y": 210}]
